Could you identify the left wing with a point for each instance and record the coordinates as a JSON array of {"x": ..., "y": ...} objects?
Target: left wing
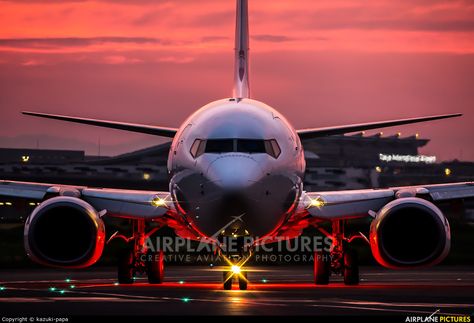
[
  {"x": 360, "y": 203},
  {"x": 133, "y": 204},
  {"x": 140, "y": 128}
]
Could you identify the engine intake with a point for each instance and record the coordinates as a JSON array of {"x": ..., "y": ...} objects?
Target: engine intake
[
  {"x": 409, "y": 232},
  {"x": 64, "y": 232}
]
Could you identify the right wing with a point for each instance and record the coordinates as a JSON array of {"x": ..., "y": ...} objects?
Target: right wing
[
  {"x": 147, "y": 129},
  {"x": 339, "y": 130},
  {"x": 334, "y": 205},
  {"x": 132, "y": 204}
]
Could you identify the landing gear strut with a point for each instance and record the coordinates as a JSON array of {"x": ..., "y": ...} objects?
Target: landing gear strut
[
  {"x": 236, "y": 262},
  {"x": 136, "y": 259},
  {"x": 340, "y": 260}
]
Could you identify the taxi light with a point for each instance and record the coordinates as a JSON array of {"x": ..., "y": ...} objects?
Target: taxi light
[{"x": 235, "y": 269}]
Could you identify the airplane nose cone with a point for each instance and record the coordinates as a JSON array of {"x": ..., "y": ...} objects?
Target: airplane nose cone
[{"x": 234, "y": 172}]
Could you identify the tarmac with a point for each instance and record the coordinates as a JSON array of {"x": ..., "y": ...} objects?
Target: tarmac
[{"x": 278, "y": 290}]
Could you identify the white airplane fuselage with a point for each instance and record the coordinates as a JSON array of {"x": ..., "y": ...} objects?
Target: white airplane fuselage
[{"x": 236, "y": 157}]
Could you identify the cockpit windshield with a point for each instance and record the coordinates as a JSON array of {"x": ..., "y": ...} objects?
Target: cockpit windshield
[{"x": 249, "y": 146}]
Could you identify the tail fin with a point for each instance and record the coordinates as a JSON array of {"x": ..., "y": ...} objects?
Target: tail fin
[{"x": 241, "y": 72}]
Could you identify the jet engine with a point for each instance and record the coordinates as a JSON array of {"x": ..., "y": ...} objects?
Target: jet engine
[
  {"x": 64, "y": 232},
  {"x": 409, "y": 232}
]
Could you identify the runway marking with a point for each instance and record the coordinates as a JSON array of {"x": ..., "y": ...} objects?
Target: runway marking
[
  {"x": 380, "y": 309},
  {"x": 407, "y": 304}
]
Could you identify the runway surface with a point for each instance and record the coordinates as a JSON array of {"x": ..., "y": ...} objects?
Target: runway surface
[{"x": 272, "y": 291}]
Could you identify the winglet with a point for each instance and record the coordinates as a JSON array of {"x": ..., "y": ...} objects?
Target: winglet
[{"x": 241, "y": 63}]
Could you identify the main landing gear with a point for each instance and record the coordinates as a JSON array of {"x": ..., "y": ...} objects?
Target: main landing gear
[
  {"x": 340, "y": 260},
  {"x": 136, "y": 259}
]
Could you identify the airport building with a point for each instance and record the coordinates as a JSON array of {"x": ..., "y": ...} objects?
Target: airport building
[{"x": 333, "y": 163}]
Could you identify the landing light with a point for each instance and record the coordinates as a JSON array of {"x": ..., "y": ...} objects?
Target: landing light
[
  {"x": 317, "y": 202},
  {"x": 235, "y": 269},
  {"x": 158, "y": 202}
]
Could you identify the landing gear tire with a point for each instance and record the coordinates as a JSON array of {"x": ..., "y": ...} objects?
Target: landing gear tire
[
  {"x": 243, "y": 280},
  {"x": 228, "y": 279},
  {"x": 322, "y": 268},
  {"x": 155, "y": 267},
  {"x": 125, "y": 268},
  {"x": 351, "y": 267}
]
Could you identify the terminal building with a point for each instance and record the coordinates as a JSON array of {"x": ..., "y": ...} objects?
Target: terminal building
[{"x": 332, "y": 163}]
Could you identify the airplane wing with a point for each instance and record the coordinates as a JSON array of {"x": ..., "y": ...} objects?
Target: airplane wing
[
  {"x": 361, "y": 203},
  {"x": 132, "y": 204},
  {"x": 339, "y": 130},
  {"x": 147, "y": 129}
]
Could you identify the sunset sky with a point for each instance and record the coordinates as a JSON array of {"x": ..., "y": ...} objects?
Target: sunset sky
[{"x": 320, "y": 63}]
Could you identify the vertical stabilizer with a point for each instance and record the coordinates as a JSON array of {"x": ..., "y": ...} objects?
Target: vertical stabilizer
[{"x": 241, "y": 63}]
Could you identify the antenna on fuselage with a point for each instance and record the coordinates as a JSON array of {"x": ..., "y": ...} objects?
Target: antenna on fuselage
[{"x": 241, "y": 62}]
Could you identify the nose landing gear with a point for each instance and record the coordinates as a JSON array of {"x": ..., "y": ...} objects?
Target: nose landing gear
[{"x": 236, "y": 261}]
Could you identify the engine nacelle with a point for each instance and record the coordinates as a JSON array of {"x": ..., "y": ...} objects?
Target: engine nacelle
[
  {"x": 409, "y": 232},
  {"x": 64, "y": 232}
]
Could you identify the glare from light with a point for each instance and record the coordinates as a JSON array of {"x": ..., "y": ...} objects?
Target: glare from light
[
  {"x": 52, "y": 289},
  {"x": 32, "y": 203},
  {"x": 317, "y": 202},
  {"x": 185, "y": 299},
  {"x": 447, "y": 171},
  {"x": 25, "y": 159},
  {"x": 116, "y": 284},
  {"x": 62, "y": 291},
  {"x": 181, "y": 282},
  {"x": 264, "y": 281},
  {"x": 72, "y": 286},
  {"x": 8, "y": 203},
  {"x": 2, "y": 288},
  {"x": 235, "y": 269},
  {"x": 158, "y": 202},
  {"x": 68, "y": 280},
  {"x": 378, "y": 169},
  {"x": 146, "y": 176}
]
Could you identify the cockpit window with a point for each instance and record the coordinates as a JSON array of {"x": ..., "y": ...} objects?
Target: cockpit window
[
  {"x": 219, "y": 146},
  {"x": 272, "y": 148},
  {"x": 197, "y": 148},
  {"x": 249, "y": 146}
]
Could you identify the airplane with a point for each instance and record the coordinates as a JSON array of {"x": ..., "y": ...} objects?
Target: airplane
[{"x": 238, "y": 164}]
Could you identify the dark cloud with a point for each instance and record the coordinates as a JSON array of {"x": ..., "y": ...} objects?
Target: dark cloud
[
  {"x": 74, "y": 41},
  {"x": 272, "y": 38},
  {"x": 209, "y": 39}
]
